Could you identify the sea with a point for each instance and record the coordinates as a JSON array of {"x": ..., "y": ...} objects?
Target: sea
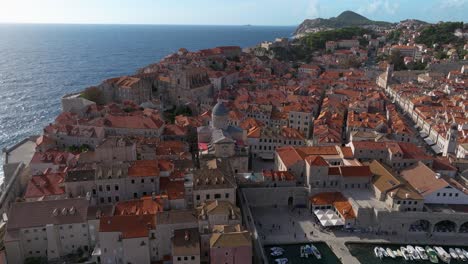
[{"x": 39, "y": 63}]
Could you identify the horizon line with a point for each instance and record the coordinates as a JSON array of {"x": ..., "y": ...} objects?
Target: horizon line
[{"x": 140, "y": 24}]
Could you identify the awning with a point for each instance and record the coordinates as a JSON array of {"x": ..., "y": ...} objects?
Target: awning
[
  {"x": 328, "y": 218},
  {"x": 429, "y": 141},
  {"x": 436, "y": 149}
]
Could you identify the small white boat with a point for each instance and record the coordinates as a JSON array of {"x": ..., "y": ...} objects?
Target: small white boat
[
  {"x": 384, "y": 252},
  {"x": 281, "y": 260},
  {"x": 453, "y": 254},
  {"x": 315, "y": 251},
  {"x": 460, "y": 254},
  {"x": 304, "y": 254},
  {"x": 397, "y": 253},
  {"x": 442, "y": 254},
  {"x": 413, "y": 252},
  {"x": 405, "y": 254},
  {"x": 276, "y": 253},
  {"x": 432, "y": 255},
  {"x": 465, "y": 253},
  {"x": 421, "y": 252},
  {"x": 390, "y": 253},
  {"x": 378, "y": 253},
  {"x": 276, "y": 249}
]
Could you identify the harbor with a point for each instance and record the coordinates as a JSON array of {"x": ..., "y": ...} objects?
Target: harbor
[{"x": 397, "y": 253}]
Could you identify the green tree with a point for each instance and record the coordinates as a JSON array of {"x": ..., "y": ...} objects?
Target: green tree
[{"x": 397, "y": 60}]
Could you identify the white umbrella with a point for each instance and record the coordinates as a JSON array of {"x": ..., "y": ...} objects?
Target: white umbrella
[
  {"x": 337, "y": 222},
  {"x": 326, "y": 223},
  {"x": 319, "y": 213}
]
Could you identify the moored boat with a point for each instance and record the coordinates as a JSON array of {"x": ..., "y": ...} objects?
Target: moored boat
[
  {"x": 442, "y": 254},
  {"x": 405, "y": 254},
  {"x": 315, "y": 251},
  {"x": 397, "y": 253},
  {"x": 421, "y": 252},
  {"x": 276, "y": 249},
  {"x": 460, "y": 254},
  {"x": 378, "y": 253},
  {"x": 390, "y": 253},
  {"x": 453, "y": 254},
  {"x": 432, "y": 255},
  {"x": 282, "y": 260},
  {"x": 413, "y": 252},
  {"x": 465, "y": 253}
]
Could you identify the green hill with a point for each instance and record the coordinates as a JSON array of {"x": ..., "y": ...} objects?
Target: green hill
[{"x": 345, "y": 19}]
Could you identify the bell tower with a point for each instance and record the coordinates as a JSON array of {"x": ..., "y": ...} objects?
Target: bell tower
[{"x": 451, "y": 138}]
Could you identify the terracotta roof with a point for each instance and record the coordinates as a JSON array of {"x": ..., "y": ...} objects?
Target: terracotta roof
[
  {"x": 143, "y": 168},
  {"x": 131, "y": 226},
  {"x": 278, "y": 175},
  {"x": 337, "y": 200},
  {"x": 355, "y": 171},
  {"x": 316, "y": 160},
  {"x": 289, "y": 156},
  {"x": 145, "y": 205},
  {"x": 175, "y": 190},
  {"x": 45, "y": 185},
  {"x": 423, "y": 179},
  {"x": 230, "y": 239}
]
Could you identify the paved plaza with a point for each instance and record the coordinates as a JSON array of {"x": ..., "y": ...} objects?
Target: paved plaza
[{"x": 280, "y": 225}]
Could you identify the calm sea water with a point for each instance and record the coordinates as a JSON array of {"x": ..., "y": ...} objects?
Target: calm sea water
[{"x": 41, "y": 63}]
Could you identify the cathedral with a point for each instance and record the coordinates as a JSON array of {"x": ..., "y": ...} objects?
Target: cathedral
[{"x": 221, "y": 140}]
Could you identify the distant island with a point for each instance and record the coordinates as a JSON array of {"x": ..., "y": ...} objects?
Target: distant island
[{"x": 345, "y": 19}]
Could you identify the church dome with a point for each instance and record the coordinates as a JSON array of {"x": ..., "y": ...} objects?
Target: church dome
[{"x": 220, "y": 110}]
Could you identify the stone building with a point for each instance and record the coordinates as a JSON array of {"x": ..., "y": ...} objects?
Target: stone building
[{"x": 58, "y": 228}]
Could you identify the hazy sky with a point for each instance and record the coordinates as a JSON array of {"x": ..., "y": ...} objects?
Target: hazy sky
[{"x": 223, "y": 12}]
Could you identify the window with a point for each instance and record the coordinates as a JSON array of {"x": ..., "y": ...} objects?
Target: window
[
  {"x": 109, "y": 199},
  {"x": 444, "y": 194},
  {"x": 116, "y": 188},
  {"x": 409, "y": 202},
  {"x": 450, "y": 194},
  {"x": 193, "y": 258},
  {"x": 198, "y": 197},
  {"x": 179, "y": 258},
  {"x": 217, "y": 196},
  {"x": 94, "y": 191},
  {"x": 133, "y": 181},
  {"x": 135, "y": 195},
  {"x": 438, "y": 194},
  {"x": 185, "y": 258},
  {"x": 207, "y": 196},
  {"x": 100, "y": 188},
  {"x": 398, "y": 202},
  {"x": 117, "y": 198},
  {"x": 108, "y": 188},
  {"x": 152, "y": 180},
  {"x": 404, "y": 202},
  {"x": 102, "y": 199},
  {"x": 456, "y": 195},
  {"x": 226, "y": 195}
]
